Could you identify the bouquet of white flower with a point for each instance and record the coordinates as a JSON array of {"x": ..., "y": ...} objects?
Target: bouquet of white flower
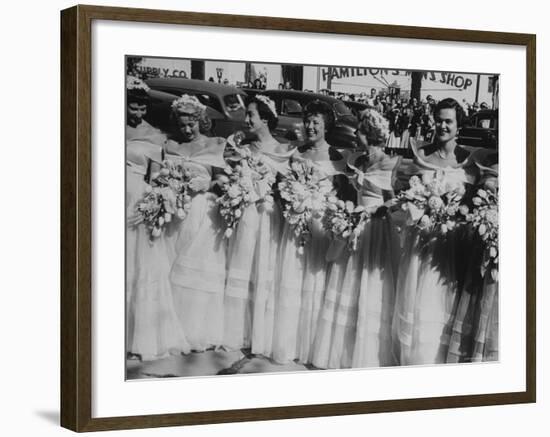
[
  {"x": 484, "y": 219},
  {"x": 345, "y": 221},
  {"x": 248, "y": 181},
  {"x": 156, "y": 209},
  {"x": 304, "y": 190},
  {"x": 432, "y": 203},
  {"x": 167, "y": 196}
]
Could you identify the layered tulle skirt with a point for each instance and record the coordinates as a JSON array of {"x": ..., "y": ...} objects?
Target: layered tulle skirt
[
  {"x": 354, "y": 328},
  {"x": 152, "y": 327},
  {"x": 475, "y": 332},
  {"x": 197, "y": 275},
  {"x": 428, "y": 293},
  {"x": 252, "y": 259},
  {"x": 288, "y": 296}
]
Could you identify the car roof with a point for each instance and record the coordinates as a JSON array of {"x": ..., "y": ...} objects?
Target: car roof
[
  {"x": 194, "y": 84},
  {"x": 162, "y": 95},
  {"x": 303, "y": 94},
  {"x": 168, "y": 98},
  {"x": 490, "y": 112},
  {"x": 356, "y": 104}
]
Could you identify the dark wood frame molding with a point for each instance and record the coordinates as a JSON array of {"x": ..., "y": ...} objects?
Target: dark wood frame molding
[{"x": 76, "y": 217}]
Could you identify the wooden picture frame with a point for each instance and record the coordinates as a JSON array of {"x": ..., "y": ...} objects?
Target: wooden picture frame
[{"x": 76, "y": 217}]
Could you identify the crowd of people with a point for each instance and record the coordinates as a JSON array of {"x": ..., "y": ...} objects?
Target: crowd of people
[
  {"x": 310, "y": 254},
  {"x": 408, "y": 117}
]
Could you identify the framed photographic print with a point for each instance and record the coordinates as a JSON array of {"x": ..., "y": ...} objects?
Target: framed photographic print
[{"x": 268, "y": 218}]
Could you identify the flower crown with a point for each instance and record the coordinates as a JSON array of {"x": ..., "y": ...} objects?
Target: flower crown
[
  {"x": 378, "y": 126},
  {"x": 135, "y": 83},
  {"x": 187, "y": 100},
  {"x": 268, "y": 102}
]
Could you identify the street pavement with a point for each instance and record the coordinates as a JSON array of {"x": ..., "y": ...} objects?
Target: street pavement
[{"x": 207, "y": 363}]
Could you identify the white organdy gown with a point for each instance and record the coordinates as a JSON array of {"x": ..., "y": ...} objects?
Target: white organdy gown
[
  {"x": 427, "y": 287},
  {"x": 355, "y": 325},
  {"x": 475, "y": 334},
  {"x": 251, "y": 267},
  {"x": 152, "y": 328},
  {"x": 301, "y": 285},
  {"x": 198, "y": 249}
]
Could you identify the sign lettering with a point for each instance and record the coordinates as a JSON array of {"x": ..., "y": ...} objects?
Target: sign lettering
[{"x": 451, "y": 79}]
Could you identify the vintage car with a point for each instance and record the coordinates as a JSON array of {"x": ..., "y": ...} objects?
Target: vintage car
[
  {"x": 290, "y": 105},
  {"x": 227, "y": 101},
  {"x": 356, "y": 107},
  {"x": 481, "y": 130},
  {"x": 158, "y": 113}
]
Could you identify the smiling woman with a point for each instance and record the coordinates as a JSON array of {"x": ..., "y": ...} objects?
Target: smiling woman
[
  {"x": 430, "y": 274},
  {"x": 260, "y": 270},
  {"x": 254, "y": 246},
  {"x": 241, "y": 228},
  {"x": 196, "y": 250}
]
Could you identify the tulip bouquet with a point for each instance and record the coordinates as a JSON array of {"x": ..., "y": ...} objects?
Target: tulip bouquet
[
  {"x": 432, "y": 202},
  {"x": 484, "y": 219},
  {"x": 304, "y": 191},
  {"x": 247, "y": 181},
  {"x": 165, "y": 197},
  {"x": 345, "y": 221}
]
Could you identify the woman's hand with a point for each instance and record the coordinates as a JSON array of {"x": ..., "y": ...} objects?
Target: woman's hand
[
  {"x": 335, "y": 249},
  {"x": 199, "y": 183},
  {"x": 262, "y": 188},
  {"x": 391, "y": 204},
  {"x": 134, "y": 220}
]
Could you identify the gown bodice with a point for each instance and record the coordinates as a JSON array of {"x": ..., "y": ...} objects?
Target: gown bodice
[
  {"x": 143, "y": 144},
  {"x": 452, "y": 175},
  {"x": 329, "y": 162},
  {"x": 198, "y": 156},
  {"x": 374, "y": 181},
  {"x": 276, "y": 159}
]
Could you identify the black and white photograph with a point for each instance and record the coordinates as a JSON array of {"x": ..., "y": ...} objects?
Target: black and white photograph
[{"x": 295, "y": 217}]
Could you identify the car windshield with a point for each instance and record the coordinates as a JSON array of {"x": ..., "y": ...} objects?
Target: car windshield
[
  {"x": 292, "y": 107},
  {"x": 205, "y": 99},
  {"x": 233, "y": 102},
  {"x": 486, "y": 122},
  {"x": 342, "y": 109}
]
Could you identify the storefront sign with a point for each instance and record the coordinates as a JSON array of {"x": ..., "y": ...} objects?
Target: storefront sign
[
  {"x": 453, "y": 79},
  {"x": 161, "y": 72}
]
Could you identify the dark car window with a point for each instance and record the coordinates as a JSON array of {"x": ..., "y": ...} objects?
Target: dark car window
[
  {"x": 208, "y": 100},
  {"x": 485, "y": 122},
  {"x": 291, "y": 107},
  {"x": 342, "y": 109},
  {"x": 205, "y": 99},
  {"x": 233, "y": 102}
]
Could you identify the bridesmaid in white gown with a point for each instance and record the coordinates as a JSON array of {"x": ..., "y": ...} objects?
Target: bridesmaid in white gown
[
  {"x": 198, "y": 270},
  {"x": 476, "y": 325},
  {"x": 302, "y": 278},
  {"x": 355, "y": 324},
  {"x": 428, "y": 283},
  {"x": 253, "y": 248},
  {"x": 153, "y": 330}
]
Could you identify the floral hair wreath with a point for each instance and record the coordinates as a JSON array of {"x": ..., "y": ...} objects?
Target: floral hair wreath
[
  {"x": 268, "y": 102},
  {"x": 187, "y": 100},
  {"x": 134, "y": 83},
  {"x": 378, "y": 125}
]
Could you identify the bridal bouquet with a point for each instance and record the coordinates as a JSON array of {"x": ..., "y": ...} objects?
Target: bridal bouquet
[
  {"x": 246, "y": 182},
  {"x": 432, "y": 202},
  {"x": 484, "y": 219},
  {"x": 156, "y": 209},
  {"x": 165, "y": 197},
  {"x": 344, "y": 220},
  {"x": 304, "y": 190}
]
